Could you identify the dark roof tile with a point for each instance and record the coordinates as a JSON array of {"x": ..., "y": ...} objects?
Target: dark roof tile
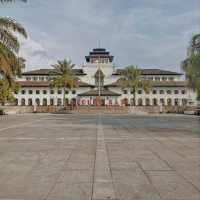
[
  {"x": 51, "y": 71},
  {"x": 150, "y": 72},
  {"x": 95, "y": 92}
]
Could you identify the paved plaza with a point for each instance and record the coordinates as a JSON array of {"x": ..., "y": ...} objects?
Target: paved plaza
[{"x": 99, "y": 157}]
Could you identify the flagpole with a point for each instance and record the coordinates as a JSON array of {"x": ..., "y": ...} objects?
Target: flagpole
[{"x": 99, "y": 82}]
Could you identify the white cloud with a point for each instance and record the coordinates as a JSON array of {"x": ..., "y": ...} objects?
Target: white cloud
[
  {"x": 148, "y": 33},
  {"x": 35, "y": 54}
]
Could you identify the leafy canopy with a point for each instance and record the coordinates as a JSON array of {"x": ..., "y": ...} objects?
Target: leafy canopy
[
  {"x": 131, "y": 78},
  {"x": 66, "y": 77},
  {"x": 191, "y": 65},
  {"x": 6, "y": 90},
  {"x": 10, "y": 63}
]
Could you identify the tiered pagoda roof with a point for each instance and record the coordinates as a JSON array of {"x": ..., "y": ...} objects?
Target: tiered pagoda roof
[{"x": 99, "y": 53}]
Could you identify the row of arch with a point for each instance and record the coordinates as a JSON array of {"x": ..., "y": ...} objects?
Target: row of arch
[
  {"x": 124, "y": 102},
  {"x": 44, "y": 102},
  {"x": 155, "y": 102}
]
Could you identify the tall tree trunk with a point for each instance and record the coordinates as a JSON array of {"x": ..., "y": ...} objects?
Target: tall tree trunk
[
  {"x": 134, "y": 97},
  {"x": 64, "y": 97}
]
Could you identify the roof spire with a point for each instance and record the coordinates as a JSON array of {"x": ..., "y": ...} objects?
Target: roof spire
[{"x": 99, "y": 44}]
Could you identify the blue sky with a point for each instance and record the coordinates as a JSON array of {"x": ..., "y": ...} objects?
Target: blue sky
[{"x": 149, "y": 33}]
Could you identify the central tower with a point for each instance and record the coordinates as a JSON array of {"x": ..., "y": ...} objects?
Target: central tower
[{"x": 99, "y": 55}]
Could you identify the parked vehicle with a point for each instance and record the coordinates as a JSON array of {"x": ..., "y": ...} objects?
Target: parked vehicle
[{"x": 191, "y": 108}]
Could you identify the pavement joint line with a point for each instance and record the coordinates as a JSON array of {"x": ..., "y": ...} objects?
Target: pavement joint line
[
  {"x": 102, "y": 173},
  {"x": 67, "y": 139},
  {"x": 19, "y": 125}
]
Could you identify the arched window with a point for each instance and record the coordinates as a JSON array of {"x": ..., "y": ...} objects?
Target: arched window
[
  {"x": 73, "y": 102},
  {"x": 59, "y": 102},
  {"x": 94, "y": 102},
  {"x": 51, "y": 102},
  {"x": 155, "y": 102},
  {"x": 132, "y": 101},
  {"x": 23, "y": 102},
  {"x": 125, "y": 102},
  {"x": 16, "y": 102},
  {"x": 66, "y": 102},
  {"x": 37, "y": 101},
  {"x": 30, "y": 102},
  {"x": 162, "y": 101},
  {"x": 147, "y": 102},
  {"x": 176, "y": 102},
  {"x": 162, "y": 92},
  {"x": 44, "y": 102},
  {"x": 140, "y": 102},
  {"x": 169, "y": 102},
  {"x": 184, "y": 102},
  {"x": 83, "y": 102},
  {"x": 169, "y": 92},
  {"x": 99, "y": 78}
]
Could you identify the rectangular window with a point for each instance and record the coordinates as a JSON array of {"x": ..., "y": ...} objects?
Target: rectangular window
[
  {"x": 23, "y": 92},
  {"x": 66, "y": 92},
  {"x": 44, "y": 92},
  {"x": 30, "y": 91},
  {"x": 73, "y": 91},
  {"x": 52, "y": 91},
  {"x": 59, "y": 91},
  {"x": 37, "y": 91},
  {"x": 35, "y": 78},
  {"x": 139, "y": 91},
  {"x": 162, "y": 92},
  {"x": 28, "y": 78},
  {"x": 154, "y": 92},
  {"x": 176, "y": 92},
  {"x": 164, "y": 78},
  {"x": 183, "y": 92},
  {"x": 169, "y": 91},
  {"x": 41, "y": 78},
  {"x": 125, "y": 91},
  {"x": 150, "y": 78},
  {"x": 157, "y": 78}
]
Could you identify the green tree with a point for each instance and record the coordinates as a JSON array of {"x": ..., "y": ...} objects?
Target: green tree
[
  {"x": 131, "y": 78},
  {"x": 191, "y": 65},
  {"x": 10, "y": 63},
  {"x": 6, "y": 90},
  {"x": 66, "y": 78}
]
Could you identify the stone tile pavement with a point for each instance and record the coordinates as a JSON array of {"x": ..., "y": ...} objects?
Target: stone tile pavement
[{"x": 99, "y": 157}]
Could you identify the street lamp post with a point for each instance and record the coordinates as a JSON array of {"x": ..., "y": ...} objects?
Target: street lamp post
[{"x": 99, "y": 82}]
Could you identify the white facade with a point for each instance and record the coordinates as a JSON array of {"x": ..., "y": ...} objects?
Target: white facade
[{"x": 168, "y": 87}]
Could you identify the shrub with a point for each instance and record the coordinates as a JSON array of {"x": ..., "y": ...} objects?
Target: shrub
[
  {"x": 198, "y": 96},
  {"x": 1, "y": 112}
]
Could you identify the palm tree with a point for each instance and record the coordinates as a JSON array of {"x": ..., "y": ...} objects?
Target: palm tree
[
  {"x": 10, "y": 63},
  {"x": 131, "y": 78},
  {"x": 191, "y": 65},
  {"x": 66, "y": 78}
]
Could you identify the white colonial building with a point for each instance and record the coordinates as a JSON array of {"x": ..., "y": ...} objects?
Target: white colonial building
[{"x": 99, "y": 77}]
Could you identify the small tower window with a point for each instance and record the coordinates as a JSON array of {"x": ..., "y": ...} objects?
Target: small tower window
[{"x": 99, "y": 78}]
